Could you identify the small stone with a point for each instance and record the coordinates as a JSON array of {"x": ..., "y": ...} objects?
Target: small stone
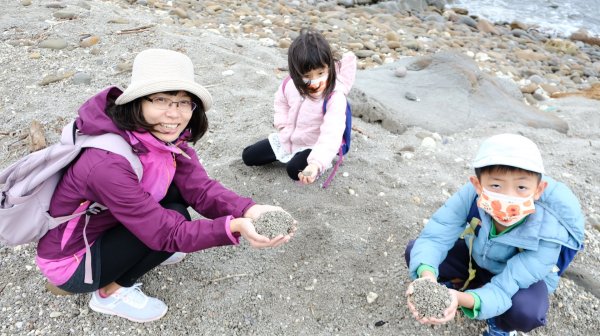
[
  {"x": 55, "y": 314},
  {"x": 227, "y": 73},
  {"x": 82, "y": 78},
  {"x": 53, "y": 43},
  {"x": 345, "y": 174},
  {"x": 64, "y": 15},
  {"x": 351, "y": 191},
  {"x": 55, "y": 78},
  {"x": 411, "y": 96},
  {"x": 400, "y": 71},
  {"x": 25, "y": 2},
  {"x": 371, "y": 297},
  {"x": 428, "y": 143},
  {"x": 89, "y": 41},
  {"x": 179, "y": 12}
]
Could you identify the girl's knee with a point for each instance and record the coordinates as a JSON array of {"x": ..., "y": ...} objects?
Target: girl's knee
[{"x": 292, "y": 172}]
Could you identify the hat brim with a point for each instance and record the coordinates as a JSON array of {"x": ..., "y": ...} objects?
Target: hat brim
[
  {"x": 509, "y": 161},
  {"x": 141, "y": 89}
]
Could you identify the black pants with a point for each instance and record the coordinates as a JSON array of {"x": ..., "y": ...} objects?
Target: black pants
[
  {"x": 119, "y": 256},
  {"x": 261, "y": 153}
]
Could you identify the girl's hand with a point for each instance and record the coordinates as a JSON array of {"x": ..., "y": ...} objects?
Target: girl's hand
[
  {"x": 246, "y": 229},
  {"x": 309, "y": 174},
  {"x": 449, "y": 313},
  {"x": 258, "y": 209}
]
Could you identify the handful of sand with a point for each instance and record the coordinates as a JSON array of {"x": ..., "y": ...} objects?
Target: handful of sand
[
  {"x": 430, "y": 298},
  {"x": 273, "y": 223}
]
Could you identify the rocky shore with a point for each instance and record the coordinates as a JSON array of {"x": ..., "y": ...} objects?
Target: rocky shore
[{"x": 344, "y": 272}]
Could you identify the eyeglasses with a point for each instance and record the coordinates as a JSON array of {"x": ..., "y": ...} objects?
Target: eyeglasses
[{"x": 163, "y": 103}]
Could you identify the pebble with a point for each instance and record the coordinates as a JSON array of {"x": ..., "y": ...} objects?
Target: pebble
[
  {"x": 82, "y": 78},
  {"x": 411, "y": 96},
  {"x": 227, "y": 73},
  {"x": 89, "y": 41},
  {"x": 400, "y": 71},
  {"x": 371, "y": 297},
  {"x": 53, "y": 43},
  {"x": 428, "y": 143}
]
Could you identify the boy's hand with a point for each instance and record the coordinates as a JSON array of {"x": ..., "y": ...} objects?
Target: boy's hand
[
  {"x": 246, "y": 229},
  {"x": 309, "y": 174},
  {"x": 449, "y": 313}
]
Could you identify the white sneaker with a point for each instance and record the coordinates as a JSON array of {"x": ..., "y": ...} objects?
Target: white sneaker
[
  {"x": 130, "y": 303},
  {"x": 174, "y": 258}
]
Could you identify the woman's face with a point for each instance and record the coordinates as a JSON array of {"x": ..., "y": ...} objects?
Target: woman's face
[{"x": 170, "y": 114}]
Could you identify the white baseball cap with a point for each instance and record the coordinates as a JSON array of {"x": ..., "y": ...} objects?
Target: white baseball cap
[
  {"x": 509, "y": 150},
  {"x": 161, "y": 70}
]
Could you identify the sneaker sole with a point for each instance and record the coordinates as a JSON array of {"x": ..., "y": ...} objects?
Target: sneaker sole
[
  {"x": 173, "y": 262},
  {"x": 110, "y": 312}
]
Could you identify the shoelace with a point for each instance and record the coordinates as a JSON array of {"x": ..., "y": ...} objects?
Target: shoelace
[{"x": 132, "y": 295}]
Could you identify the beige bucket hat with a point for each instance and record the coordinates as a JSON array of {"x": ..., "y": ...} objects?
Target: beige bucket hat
[{"x": 160, "y": 70}]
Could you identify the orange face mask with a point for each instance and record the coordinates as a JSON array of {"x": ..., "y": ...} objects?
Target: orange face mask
[{"x": 506, "y": 210}]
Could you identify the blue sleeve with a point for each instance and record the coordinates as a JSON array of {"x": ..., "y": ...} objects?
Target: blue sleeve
[
  {"x": 521, "y": 271},
  {"x": 442, "y": 230}
]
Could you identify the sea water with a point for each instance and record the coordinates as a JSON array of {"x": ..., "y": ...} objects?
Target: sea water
[{"x": 558, "y": 18}]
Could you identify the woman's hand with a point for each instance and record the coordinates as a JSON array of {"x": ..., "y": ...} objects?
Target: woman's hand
[
  {"x": 309, "y": 174},
  {"x": 246, "y": 229},
  {"x": 258, "y": 209},
  {"x": 449, "y": 313}
]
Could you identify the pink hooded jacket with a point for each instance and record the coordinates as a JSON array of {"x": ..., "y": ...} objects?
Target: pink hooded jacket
[{"x": 300, "y": 121}]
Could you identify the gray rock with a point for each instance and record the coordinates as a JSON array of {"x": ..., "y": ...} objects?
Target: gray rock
[{"x": 468, "y": 95}]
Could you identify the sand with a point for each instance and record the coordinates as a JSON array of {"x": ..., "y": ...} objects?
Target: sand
[{"x": 343, "y": 273}]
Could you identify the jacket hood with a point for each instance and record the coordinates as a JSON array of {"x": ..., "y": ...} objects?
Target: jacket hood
[
  {"x": 564, "y": 205},
  {"x": 93, "y": 119}
]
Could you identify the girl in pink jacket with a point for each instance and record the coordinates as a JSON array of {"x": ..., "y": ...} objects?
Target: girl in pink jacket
[{"x": 307, "y": 139}]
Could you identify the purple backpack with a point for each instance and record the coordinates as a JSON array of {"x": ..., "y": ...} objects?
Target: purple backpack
[{"x": 27, "y": 185}]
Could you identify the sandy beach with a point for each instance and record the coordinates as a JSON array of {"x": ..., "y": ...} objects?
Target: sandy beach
[{"x": 344, "y": 271}]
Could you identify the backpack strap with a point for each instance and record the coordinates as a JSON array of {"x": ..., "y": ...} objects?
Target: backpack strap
[
  {"x": 340, "y": 152},
  {"x": 285, "y": 81},
  {"x": 113, "y": 143},
  {"x": 472, "y": 229}
]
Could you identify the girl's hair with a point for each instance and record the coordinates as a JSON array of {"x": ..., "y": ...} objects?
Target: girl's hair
[
  {"x": 129, "y": 117},
  {"x": 310, "y": 51}
]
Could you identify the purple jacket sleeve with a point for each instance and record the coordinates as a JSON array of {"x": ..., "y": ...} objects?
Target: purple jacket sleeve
[
  {"x": 207, "y": 196},
  {"x": 113, "y": 183}
]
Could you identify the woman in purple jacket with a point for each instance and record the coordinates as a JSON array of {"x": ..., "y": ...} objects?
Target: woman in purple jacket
[{"x": 147, "y": 221}]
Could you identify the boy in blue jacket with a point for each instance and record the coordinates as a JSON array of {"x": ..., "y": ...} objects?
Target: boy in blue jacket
[{"x": 522, "y": 227}]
